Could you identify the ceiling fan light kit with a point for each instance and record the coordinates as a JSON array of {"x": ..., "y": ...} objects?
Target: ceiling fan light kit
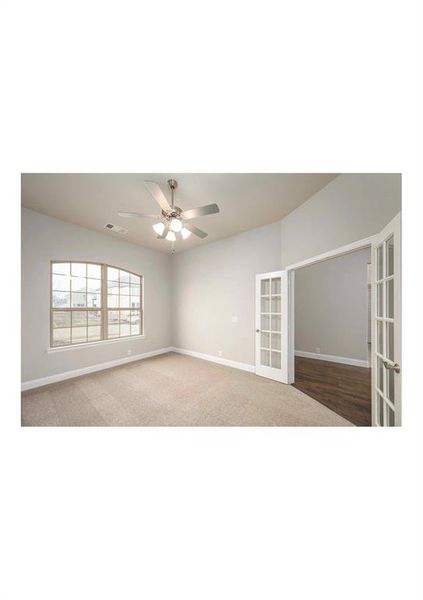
[
  {"x": 172, "y": 218},
  {"x": 159, "y": 228}
]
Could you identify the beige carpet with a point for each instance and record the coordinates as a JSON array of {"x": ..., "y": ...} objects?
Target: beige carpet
[{"x": 172, "y": 389}]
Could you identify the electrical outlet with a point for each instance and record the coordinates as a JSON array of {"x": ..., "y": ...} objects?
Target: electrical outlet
[
  {"x": 129, "y": 352},
  {"x": 220, "y": 353},
  {"x": 317, "y": 350}
]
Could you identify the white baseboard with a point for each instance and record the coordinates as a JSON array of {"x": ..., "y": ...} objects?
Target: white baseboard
[
  {"x": 337, "y": 359},
  {"x": 217, "y": 359},
  {"x": 34, "y": 383}
]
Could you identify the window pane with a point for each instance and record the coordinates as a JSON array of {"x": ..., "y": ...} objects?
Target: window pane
[
  {"x": 265, "y": 339},
  {"x": 276, "y": 323},
  {"x": 113, "y": 287},
  {"x": 94, "y": 334},
  {"x": 61, "y": 268},
  {"x": 61, "y": 283},
  {"x": 94, "y": 317},
  {"x": 79, "y": 318},
  {"x": 94, "y": 271},
  {"x": 379, "y": 263},
  {"x": 276, "y": 360},
  {"x": 61, "y": 319},
  {"x": 112, "y": 274},
  {"x": 379, "y": 347},
  {"x": 135, "y": 302},
  {"x": 125, "y": 316},
  {"x": 276, "y": 341},
  {"x": 380, "y": 372},
  {"x": 390, "y": 392},
  {"x": 390, "y": 257},
  {"x": 113, "y": 316},
  {"x": 125, "y": 329},
  {"x": 79, "y": 300},
  {"x": 265, "y": 358},
  {"x": 113, "y": 331},
  {"x": 135, "y": 322},
  {"x": 265, "y": 305},
  {"x": 61, "y": 337},
  {"x": 265, "y": 287},
  {"x": 124, "y": 302},
  {"x": 276, "y": 304},
  {"x": 78, "y": 284},
  {"x": 135, "y": 290},
  {"x": 94, "y": 300},
  {"x": 123, "y": 276},
  {"x": 265, "y": 322},
  {"x": 134, "y": 279},
  {"x": 79, "y": 269},
  {"x": 79, "y": 335},
  {"x": 135, "y": 328},
  {"x": 379, "y": 293},
  {"x": 390, "y": 341},
  {"x": 113, "y": 301},
  {"x": 93, "y": 285},
  {"x": 276, "y": 285},
  {"x": 61, "y": 299},
  {"x": 390, "y": 298},
  {"x": 125, "y": 290}
]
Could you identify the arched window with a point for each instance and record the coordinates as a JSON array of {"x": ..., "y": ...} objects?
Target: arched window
[{"x": 91, "y": 302}]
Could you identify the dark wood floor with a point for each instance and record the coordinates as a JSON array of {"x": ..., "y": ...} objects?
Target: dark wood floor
[{"x": 343, "y": 388}]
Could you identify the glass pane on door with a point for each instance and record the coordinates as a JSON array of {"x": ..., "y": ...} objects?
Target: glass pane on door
[
  {"x": 270, "y": 320},
  {"x": 265, "y": 287}
]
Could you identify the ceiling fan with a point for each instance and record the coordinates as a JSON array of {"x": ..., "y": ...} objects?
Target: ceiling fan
[{"x": 172, "y": 219}]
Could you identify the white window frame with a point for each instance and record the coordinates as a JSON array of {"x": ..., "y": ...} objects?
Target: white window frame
[{"x": 103, "y": 309}]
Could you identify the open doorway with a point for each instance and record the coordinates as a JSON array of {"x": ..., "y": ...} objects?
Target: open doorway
[{"x": 333, "y": 334}]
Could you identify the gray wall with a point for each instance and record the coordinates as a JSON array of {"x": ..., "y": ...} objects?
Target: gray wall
[
  {"x": 215, "y": 282},
  {"x": 45, "y": 239},
  {"x": 349, "y": 208},
  {"x": 331, "y": 306}
]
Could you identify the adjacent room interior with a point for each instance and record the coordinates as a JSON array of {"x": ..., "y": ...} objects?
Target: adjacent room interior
[
  {"x": 333, "y": 334},
  {"x": 211, "y": 299}
]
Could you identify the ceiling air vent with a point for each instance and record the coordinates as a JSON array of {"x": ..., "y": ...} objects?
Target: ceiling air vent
[{"x": 115, "y": 228}]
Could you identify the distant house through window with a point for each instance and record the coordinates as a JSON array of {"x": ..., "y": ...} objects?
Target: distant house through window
[{"x": 91, "y": 302}]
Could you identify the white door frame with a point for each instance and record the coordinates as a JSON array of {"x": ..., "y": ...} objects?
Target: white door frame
[{"x": 347, "y": 249}]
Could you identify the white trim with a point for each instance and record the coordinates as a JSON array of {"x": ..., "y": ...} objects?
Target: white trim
[
  {"x": 358, "y": 245},
  {"x": 336, "y": 359},
  {"x": 217, "y": 359},
  {"x": 35, "y": 383},
  {"x": 127, "y": 338}
]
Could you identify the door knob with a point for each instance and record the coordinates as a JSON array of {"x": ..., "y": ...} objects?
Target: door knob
[
  {"x": 257, "y": 330},
  {"x": 394, "y": 367}
]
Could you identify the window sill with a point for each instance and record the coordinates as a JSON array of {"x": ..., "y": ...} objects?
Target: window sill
[{"x": 91, "y": 344}]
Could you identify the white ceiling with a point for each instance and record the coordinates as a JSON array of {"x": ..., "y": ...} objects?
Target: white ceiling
[{"x": 245, "y": 200}]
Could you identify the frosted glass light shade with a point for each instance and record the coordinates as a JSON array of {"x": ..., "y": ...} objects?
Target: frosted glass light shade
[
  {"x": 171, "y": 236},
  {"x": 159, "y": 228},
  {"x": 175, "y": 225},
  {"x": 185, "y": 233}
]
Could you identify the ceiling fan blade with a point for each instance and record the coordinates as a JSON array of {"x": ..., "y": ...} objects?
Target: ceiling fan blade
[
  {"x": 201, "y": 211},
  {"x": 198, "y": 232},
  {"x": 134, "y": 215},
  {"x": 158, "y": 195},
  {"x": 164, "y": 234}
]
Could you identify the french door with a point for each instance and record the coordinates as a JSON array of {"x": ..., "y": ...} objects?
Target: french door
[
  {"x": 386, "y": 349},
  {"x": 271, "y": 324}
]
